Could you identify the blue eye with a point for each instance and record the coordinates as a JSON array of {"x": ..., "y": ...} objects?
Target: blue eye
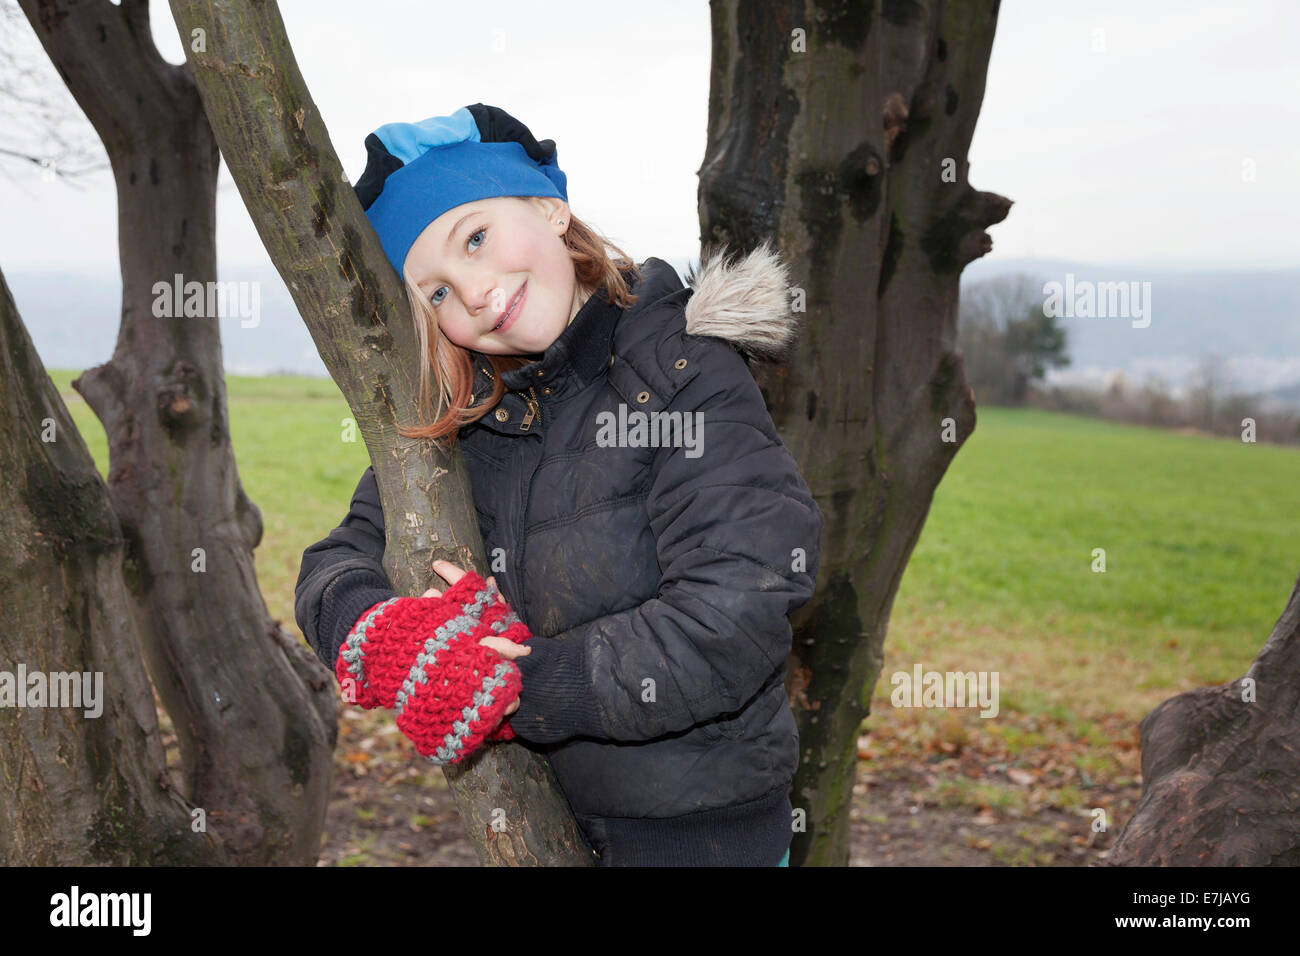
[{"x": 480, "y": 232}]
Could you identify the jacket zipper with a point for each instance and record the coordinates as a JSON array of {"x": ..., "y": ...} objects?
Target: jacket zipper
[
  {"x": 534, "y": 407},
  {"x": 534, "y": 410}
]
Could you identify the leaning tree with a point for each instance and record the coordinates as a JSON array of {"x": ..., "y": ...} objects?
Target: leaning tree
[{"x": 279, "y": 153}]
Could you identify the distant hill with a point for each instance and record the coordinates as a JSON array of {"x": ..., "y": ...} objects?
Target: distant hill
[
  {"x": 1290, "y": 395},
  {"x": 1250, "y": 318},
  {"x": 73, "y": 320}
]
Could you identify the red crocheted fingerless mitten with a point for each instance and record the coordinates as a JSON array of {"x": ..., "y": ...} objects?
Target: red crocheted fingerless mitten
[{"x": 422, "y": 657}]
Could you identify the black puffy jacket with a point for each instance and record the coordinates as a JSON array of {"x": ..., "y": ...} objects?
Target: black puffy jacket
[{"x": 656, "y": 570}]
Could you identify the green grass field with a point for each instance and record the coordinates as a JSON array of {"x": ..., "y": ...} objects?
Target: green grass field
[
  {"x": 1201, "y": 553},
  {"x": 1200, "y": 538}
]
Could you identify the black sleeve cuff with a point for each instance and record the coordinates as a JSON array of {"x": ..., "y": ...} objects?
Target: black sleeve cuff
[
  {"x": 346, "y": 599},
  {"x": 557, "y": 701}
]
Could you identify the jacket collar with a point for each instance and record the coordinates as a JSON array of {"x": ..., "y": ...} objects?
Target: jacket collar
[{"x": 743, "y": 300}]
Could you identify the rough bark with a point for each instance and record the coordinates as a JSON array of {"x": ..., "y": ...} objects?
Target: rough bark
[
  {"x": 280, "y": 156},
  {"x": 252, "y": 708},
  {"x": 1221, "y": 768},
  {"x": 75, "y": 789},
  {"x": 837, "y": 153}
]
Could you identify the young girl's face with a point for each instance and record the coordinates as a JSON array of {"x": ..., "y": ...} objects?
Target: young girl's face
[{"x": 481, "y": 260}]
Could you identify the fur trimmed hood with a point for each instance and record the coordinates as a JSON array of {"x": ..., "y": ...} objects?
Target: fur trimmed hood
[{"x": 745, "y": 301}]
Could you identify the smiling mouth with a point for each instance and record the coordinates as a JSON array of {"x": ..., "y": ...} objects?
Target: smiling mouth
[{"x": 514, "y": 303}]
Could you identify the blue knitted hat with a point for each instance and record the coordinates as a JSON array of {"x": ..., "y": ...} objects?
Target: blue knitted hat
[{"x": 417, "y": 171}]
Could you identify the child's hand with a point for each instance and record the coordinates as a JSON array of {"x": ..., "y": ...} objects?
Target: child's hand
[{"x": 507, "y": 649}]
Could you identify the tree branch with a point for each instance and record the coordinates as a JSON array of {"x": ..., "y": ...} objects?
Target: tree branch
[{"x": 280, "y": 156}]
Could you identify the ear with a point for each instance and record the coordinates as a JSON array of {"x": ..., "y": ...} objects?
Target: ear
[{"x": 553, "y": 209}]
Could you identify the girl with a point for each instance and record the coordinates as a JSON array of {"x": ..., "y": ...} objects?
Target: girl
[{"x": 649, "y": 529}]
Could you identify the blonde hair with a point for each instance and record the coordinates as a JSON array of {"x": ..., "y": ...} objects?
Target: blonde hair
[{"x": 448, "y": 369}]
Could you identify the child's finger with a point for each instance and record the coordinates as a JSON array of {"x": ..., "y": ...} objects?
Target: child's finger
[
  {"x": 448, "y": 571},
  {"x": 432, "y": 592},
  {"x": 507, "y": 649}
]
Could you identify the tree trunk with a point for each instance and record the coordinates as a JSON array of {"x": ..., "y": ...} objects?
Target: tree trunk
[
  {"x": 79, "y": 788},
  {"x": 843, "y": 135},
  {"x": 1220, "y": 769},
  {"x": 252, "y": 708},
  {"x": 311, "y": 223}
]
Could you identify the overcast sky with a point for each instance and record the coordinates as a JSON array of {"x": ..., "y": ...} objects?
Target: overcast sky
[{"x": 1121, "y": 129}]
